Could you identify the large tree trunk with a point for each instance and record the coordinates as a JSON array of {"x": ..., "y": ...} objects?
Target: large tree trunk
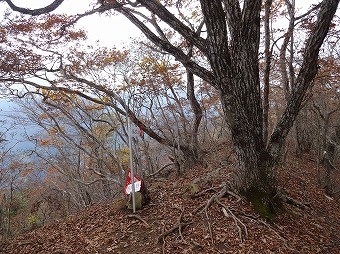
[
  {"x": 254, "y": 175},
  {"x": 236, "y": 72},
  {"x": 237, "y": 77}
]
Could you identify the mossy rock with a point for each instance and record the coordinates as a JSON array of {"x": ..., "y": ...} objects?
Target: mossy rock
[
  {"x": 139, "y": 198},
  {"x": 120, "y": 204},
  {"x": 194, "y": 188}
]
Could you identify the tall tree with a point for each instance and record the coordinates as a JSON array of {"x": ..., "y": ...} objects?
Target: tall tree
[{"x": 230, "y": 47}]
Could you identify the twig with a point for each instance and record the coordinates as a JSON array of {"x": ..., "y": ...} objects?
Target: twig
[
  {"x": 209, "y": 227},
  {"x": 179, "y": 220}
]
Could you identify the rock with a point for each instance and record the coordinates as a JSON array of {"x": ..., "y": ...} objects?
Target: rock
[{"x": 139, "y": 198}]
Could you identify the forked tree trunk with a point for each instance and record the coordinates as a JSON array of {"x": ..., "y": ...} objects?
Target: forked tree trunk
[{"x": 237, "y": 79}]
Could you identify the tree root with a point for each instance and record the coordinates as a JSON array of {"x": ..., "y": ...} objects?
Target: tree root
[
  {"x": 291, "y": 201},
  {"x": 278, "y": 235},
  {"x": 201, "y": 193},
  {"x": 179, "y": 226},
  {"x": 159, "y": 170},
  {"x": 216, "y": 198},
  {"x": 136, "y": 216},
  {"x": 160, "y": 238},
  {"x": 209, "y": 226},
  {"x": 242, "y": 229}
]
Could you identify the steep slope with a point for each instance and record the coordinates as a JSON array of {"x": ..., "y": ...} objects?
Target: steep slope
[{"x": 181, "y": 219}]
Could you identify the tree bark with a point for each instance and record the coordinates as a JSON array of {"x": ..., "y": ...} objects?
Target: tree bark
[{"x": 267, "y": 52}]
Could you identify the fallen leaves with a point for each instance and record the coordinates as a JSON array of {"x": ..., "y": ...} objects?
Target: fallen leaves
[{"x": 169, "y": 223}]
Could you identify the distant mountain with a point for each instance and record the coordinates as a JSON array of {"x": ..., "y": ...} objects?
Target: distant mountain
[{"x": 14, "y": 132}]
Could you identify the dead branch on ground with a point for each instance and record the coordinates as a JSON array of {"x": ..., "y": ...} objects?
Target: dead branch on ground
[{"x": 162, "y": 168}]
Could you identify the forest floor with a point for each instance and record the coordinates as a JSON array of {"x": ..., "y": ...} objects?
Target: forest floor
[{"x": 178, "y": 220}]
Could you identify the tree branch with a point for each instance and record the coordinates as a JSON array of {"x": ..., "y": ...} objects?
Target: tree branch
[
  {"x": 35, "y": 12},
  {"x": 164, "y": 14},
  {"x": 168, "y": 47},
  {"x": 306, "y": 75}
]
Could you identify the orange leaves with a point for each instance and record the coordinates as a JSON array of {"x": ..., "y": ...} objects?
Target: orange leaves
[
  {"x": 53, "y": 137},
  {"x": 43, "y": 116},
  {"x": 98, "y": 59},
  {"x": 115, "y": 56},
  {"x": 54, "y": 21},
  {"x": 166, "y": 72},
  {"x": 26, "y": 172},
  {"x": 45, "y": 27},
  {"x": 50, "y": 142},
  {"x": 20, "y": 26},
  {"x": 106, "y": 57},
  {"x": 51, "y": 170},
  {"x": 29, "y": 43},
  {"x": 44, "y": 142},
  {"x": 3, "y": 34},
  {"x": 58, "y": 96},
  {"x": 19, "y": 60}
]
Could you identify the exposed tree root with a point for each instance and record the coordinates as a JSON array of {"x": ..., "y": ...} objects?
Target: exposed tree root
[
  {"x": 161, "y": 237},
  {"x": 292, "y": 201},
  {"x": 277, "y": 234},
  {"x": 216, "y": 198},
  {"x": 242, "y": 229},
  {"x": 201, "y": 193},
  {"x": 209, "y": 226},
  {"x": 289, "y": 200},
  {"x": 240, "y": 226},
  {"x": 179, "y": 226},
  {"x": 136, "y": 216}
]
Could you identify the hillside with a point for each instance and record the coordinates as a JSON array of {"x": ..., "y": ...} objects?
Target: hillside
[{"x": 176, "y": 222}]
